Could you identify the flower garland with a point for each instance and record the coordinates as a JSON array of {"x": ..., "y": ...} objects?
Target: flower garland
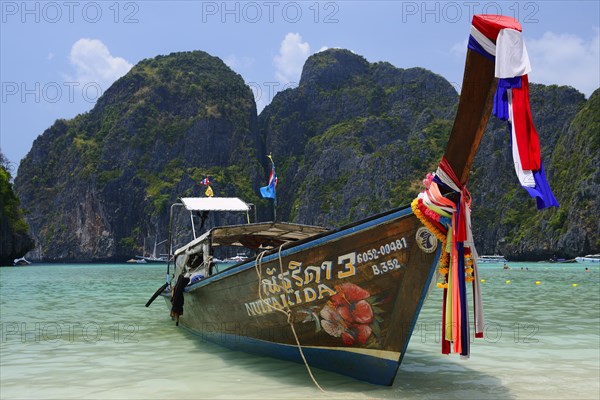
[
  {"x": 469, "y": 276},
  {"x": 429, "y": 224},
  {"x": 449, "y": 221}
]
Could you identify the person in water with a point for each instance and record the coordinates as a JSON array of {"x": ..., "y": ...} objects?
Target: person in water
[{"x": 506, "y": 266}]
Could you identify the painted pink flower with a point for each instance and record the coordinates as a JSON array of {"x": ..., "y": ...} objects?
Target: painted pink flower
[
  {"x": 348, "y": 339},
  {"x": 362, "y": 312},
  {"x": 348, "y": 315},
  {"x": 332, "y": 323},
  {"x": 345, "y": 313},
  {"x": 363, "y": 332},
  {"x": 349, "y": 293}
]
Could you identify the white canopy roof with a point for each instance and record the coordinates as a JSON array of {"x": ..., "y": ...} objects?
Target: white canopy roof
[{"x": 214, "y": 204}]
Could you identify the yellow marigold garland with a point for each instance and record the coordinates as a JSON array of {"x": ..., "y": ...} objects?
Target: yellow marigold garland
[
  {"x": 444, "y": 257},
  {"x": 469, "y": 270}
]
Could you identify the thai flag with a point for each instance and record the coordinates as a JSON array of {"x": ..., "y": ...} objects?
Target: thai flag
[
  {"x": 205, "y": 181},
  {"x": 269, "y": 191},
  {"x": 504, "y": 46}
]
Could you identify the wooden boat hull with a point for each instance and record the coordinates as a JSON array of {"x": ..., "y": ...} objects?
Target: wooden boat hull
[
  {"x": 353, "y": 294},
  {"x": 349, "y": 298}
]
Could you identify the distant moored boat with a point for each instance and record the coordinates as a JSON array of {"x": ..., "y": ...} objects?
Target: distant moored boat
[
  {"x": 20, "y": 261},
  {"x": 491, "y": 259},
  {"x": 590, "y": 258}
]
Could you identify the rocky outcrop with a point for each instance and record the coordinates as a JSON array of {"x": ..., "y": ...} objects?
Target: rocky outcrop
[
  {"x": 506, "y": 219},
  {"x": 13, "y": 245},
  {"x": 14, "y": 239},
  {"x": 98, "y": 184},
  {"x": 354, "y": 138}
]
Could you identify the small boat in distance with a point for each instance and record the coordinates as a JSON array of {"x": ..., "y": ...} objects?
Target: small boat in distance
[
  {"x": 555, "y": 260},
  {"x": 590, "y": 258},
  {"x": 20, "y": 261},
  {"x": 236, "y": 259},
  {"x": 153, "y": 258},
  {"x": 495, "y": 259}
]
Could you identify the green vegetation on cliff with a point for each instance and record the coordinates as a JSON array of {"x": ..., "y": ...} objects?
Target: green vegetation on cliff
[
  {"x": 14, "y": 238},
  {"x": 9, "y": 203},
  {"x": 100, "y": 183},
  {"x": 505, "y": 216},
  {"x": 354, "y": 138}
]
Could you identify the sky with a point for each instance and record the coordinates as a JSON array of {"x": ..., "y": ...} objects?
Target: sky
[{"x": 58, "y": 57}]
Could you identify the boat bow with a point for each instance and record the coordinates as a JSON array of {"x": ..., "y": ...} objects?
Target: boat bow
[{"x": 351, "y": 296}]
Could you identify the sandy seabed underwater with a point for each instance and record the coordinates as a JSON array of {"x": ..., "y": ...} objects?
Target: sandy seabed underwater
[{"x": 82, "y": 332}]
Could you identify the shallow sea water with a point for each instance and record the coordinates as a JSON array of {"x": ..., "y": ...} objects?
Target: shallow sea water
[{"x": 82, "y": 332}]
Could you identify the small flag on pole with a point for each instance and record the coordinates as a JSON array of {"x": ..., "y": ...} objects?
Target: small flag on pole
[
  {"x": 269, "y": 191},
  {"x": 205, "y": 181}
]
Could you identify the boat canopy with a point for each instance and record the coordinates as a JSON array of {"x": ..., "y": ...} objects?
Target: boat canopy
[
  {"x": 214, "y": 204},
  {"x": 206, "y": 204},
  {"x": 262, "y": 235}
]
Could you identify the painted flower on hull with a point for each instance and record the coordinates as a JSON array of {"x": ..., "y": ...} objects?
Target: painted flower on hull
[
  {"x": 347, "y": 293},
  {"x": 362, "y": 312},
  {"x": 332, "y": 323},
  {"x": 348, "y": 315}
]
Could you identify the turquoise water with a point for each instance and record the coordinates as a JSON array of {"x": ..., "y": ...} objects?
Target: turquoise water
[{"x": 82, "y": 331}]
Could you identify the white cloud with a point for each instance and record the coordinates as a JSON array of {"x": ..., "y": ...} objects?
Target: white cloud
[
  {"x": 50, "y": 56},
  {"x": 234, "y": 61},
  {"x": 292, "y": 55},
  {"x": 460, "y": 49},
  {"x": 566, "y": 59},
  {"x": 94, "y": 63}
]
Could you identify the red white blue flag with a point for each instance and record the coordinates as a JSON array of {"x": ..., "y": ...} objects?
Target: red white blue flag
[
  {"x": 499, "y": 39},
  {"x": 270, "y": 191}
]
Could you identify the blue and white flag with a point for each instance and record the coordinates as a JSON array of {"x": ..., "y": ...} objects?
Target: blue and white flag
[{"x": 270, "y": 191}]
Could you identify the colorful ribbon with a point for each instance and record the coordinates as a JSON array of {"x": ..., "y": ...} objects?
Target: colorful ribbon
[
  {"x": 499, "y": 40},
  {"x": 433, "y": 209}
]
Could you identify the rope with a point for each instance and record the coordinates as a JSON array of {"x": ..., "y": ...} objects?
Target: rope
[{"x": 288, "y": 312}]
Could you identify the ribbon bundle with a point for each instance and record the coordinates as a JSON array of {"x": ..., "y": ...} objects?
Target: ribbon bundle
[
  {"x": 502, "y": 43},
  {"x": 450, "y": 221},
  {"x": 498, "y": 39}
]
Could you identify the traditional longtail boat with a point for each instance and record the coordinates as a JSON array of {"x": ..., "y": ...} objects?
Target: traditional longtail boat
[{"x": 347, "y": 300}]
